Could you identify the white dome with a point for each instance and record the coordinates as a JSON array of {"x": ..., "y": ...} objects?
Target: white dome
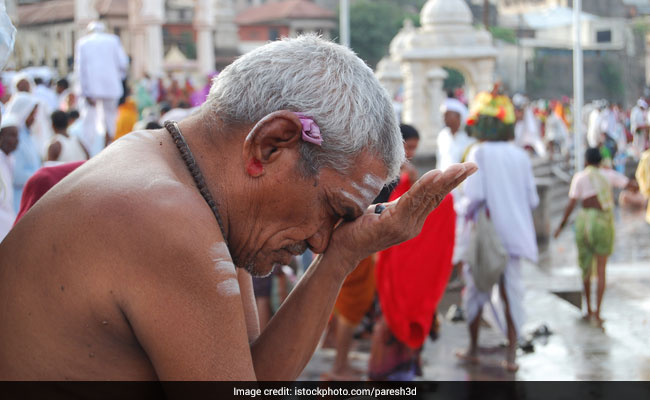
[
  {"x": 398, "y": 44},
  {"x": 445, "y": 12}
]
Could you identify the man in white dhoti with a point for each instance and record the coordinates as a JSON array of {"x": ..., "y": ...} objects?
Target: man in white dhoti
[
  {"x": 505, "y": 184},
  {"x": 452, "y": 140},
  {"x": 100, "y": 65},
  {"x": 453, "y": 144},
  {"x": 595, "y": 135},
  {"x": 528, "y": 129}
]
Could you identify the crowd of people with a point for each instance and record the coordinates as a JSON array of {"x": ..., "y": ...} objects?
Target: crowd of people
[
  {"x": 397, "y": 303},
  {"x": 335, "y": 148},
  {"x": 51, "y": 120}
]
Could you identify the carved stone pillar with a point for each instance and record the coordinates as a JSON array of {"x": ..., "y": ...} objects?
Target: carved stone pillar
[
  {"x": 84, "y": 13},
  {"x": 152, "y": 16},
  {"x": 137, "y": 41},
  {"x": 226, "y": 36},
  {"x": 415, "y": 111},
  {"x": 204, "y": 17},
  {"x": 485, "y": 78},
  {"x": 435, "y": 77}
]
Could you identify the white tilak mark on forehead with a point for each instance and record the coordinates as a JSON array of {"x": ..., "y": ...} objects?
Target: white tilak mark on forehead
[
  {"x": 354, "y": 198},
  {"x": 228, "y": 287},
  {"x": 366, "y": 193},
  {"x": 373, "y": 182}
]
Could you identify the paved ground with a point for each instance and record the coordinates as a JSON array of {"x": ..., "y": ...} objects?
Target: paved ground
[{"x": 576, "y": 350}]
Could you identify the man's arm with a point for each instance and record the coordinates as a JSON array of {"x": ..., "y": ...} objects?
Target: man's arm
[
  {"x": 177, "y": 287},
  {"x": 54, "y": 151},
  {"x": 286, "y": 345}
]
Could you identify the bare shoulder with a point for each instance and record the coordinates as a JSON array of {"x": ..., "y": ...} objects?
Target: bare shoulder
[
  {"x": 144, "y": 180},
  {"x": 178, "y": 285}
]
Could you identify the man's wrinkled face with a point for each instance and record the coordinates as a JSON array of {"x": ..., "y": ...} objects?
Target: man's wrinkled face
[{"x": 302, "y": 213}]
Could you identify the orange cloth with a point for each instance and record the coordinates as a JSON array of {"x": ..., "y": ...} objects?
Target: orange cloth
[
  {"x": 127, "y": 116},
  {"x": 412, "y": 276},
  {"x": 357, "y": 292}
]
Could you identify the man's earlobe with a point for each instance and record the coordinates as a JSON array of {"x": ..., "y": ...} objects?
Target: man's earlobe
[{"x": 254, "y": 168}]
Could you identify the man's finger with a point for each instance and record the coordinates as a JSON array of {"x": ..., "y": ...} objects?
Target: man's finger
[{"x": 427, "y": 193}]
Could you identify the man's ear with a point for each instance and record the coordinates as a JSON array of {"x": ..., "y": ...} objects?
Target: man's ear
[{"x": 277, "y": 132}]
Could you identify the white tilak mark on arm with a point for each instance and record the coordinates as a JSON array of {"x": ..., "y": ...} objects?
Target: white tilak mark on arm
[
  {"x": 223, "y": 266},
  {"x": 228, "y": 287},
  {"x": 225, "y": 269}
]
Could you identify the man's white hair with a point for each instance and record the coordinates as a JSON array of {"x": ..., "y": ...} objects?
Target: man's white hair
[{"x": 321, "y": 79}]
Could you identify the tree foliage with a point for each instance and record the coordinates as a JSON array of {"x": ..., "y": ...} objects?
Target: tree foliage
[
  {"x": 373, "y": 24},
  {"x": 454, "y": 79},
  {"x": 506, "y": 34}
]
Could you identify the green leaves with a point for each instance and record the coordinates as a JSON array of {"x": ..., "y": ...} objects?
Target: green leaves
[{"x": 373, "y": 24}]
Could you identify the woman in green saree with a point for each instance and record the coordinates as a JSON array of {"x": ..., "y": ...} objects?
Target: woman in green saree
[{"x": 594, "y": 224}]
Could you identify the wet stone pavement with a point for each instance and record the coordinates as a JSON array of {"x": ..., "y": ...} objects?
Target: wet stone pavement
[{"x": 576, "y": 350}]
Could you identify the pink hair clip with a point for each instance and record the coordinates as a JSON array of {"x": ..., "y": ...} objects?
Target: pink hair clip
[{"x": 310, "y": 130}]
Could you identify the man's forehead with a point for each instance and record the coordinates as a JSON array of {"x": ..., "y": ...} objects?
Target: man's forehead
[{"x": 361, "y": 189}]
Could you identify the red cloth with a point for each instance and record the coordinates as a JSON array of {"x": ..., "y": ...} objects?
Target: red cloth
[
  {"x": 411, "y": 277},
  {"x": 42, "y": 181}
]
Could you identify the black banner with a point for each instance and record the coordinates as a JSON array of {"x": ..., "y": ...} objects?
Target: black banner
[{"x": 327, "y": 390}]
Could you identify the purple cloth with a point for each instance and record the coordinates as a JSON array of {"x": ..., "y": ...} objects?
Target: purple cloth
[
  {"x": 198, "y": 97},
  {"x": 310, "y": 130}
]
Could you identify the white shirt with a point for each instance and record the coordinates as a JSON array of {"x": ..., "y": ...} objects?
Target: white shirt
[
  {"x": 101, "y": 65},
  {"x": 7, "y": 213},
  {"x": 637, "y": 118},
  {"x": 451, "y": 148},
  {"x": 528, "y": 132},
  {"x": 506, "y": 182},
  {"x": 71, "y": 148},
  {"x": 47, "y": 96},
  {"x": 593, "y": 130}
]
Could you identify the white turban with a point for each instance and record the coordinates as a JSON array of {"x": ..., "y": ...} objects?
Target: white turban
[
  {"x": 96, "y": 26},
  {"x": 9, "y": 120},
  {"x": 642, "y": 103},
  {"x": 22, "y": 75},
  {"x": 21, "y": 105},
  {"x": 456, "y": 106}
]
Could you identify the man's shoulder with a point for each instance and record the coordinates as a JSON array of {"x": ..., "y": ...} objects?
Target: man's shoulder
[{"x": 146, "y": 207}]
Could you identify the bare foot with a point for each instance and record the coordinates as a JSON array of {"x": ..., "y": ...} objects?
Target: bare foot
[
  {"x": 597, "y": 321},
  {"x": 510, "y": 366},
  {"x": 467, "y": 357}
]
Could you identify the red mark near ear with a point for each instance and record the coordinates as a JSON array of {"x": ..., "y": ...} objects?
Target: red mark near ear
[{"x": 254, "y": 167}]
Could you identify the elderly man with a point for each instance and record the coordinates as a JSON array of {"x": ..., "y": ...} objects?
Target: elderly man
[{"x": 147, "y": 274}]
